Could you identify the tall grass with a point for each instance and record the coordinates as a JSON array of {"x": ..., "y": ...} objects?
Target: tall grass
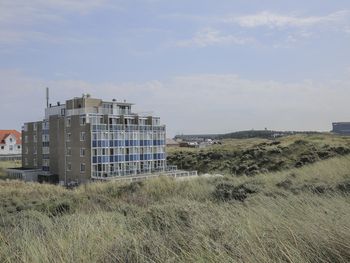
[{"x": 163, "y": 220}]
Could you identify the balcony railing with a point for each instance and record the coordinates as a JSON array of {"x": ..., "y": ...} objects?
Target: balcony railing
[
  {"x": 129, "y": 127},
  {"x": 144, "y": 176}
]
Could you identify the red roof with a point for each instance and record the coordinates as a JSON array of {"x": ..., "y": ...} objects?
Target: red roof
[{"x": 5, "y": 133}]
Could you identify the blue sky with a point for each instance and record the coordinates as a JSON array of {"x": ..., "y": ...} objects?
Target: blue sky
[{"x": 203, "y": 66}]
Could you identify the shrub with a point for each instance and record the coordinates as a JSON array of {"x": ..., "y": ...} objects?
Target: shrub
[{"x": 228, "y": 191}]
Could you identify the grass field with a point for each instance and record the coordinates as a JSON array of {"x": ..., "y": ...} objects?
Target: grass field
[{"x": 295, "y": 215}]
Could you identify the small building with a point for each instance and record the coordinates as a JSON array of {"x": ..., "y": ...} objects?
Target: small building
[
  {"x": 28, "y": 175},
  {"x": 172, "y": 143},
  {"x": 341, "y": 128},
  {"x": 10, "y": 142},
  {"x": 189, "y": 144}
]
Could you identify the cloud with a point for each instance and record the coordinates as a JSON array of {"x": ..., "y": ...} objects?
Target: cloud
[
  {"x": 210, "y": 37},
  {"x": 18, "y": 18},
  {"x": 10, "y": 37},
  {"x": 275, "y": 20},
  {"x": 285, "y": 29},
  {"x": 194, "y": 103},
  {"x": 35, "y": 11}
]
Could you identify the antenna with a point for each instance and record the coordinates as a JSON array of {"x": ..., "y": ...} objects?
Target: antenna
[{"x": 47, "y": 97}]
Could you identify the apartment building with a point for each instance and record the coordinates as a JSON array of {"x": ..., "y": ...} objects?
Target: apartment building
[{"x": 88, "y": 139}]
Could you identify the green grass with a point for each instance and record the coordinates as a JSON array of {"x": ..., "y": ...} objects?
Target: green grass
[{"x": 296, "y": 215}]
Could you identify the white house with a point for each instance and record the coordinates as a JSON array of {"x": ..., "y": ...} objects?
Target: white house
[{"x": 10, "y": 142}]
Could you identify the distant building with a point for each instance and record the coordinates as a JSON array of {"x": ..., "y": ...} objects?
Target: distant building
[
  {"x": 172, "y": 143},
  {"x": 189, "y": 144},
  {"x": 10, "y": 142},
  {"x": 341, "y": 128}
]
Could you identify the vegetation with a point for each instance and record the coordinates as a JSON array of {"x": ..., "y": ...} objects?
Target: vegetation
[
  {"x": 264, "y": 134},
  {"x": 254, "y": 156},
  {"x": 297, "y": 215}
]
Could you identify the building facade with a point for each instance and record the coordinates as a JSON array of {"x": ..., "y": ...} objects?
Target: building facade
[
  {"x": 341, "y": 128},
  {"x": 86, "y": 139},
  {"x": 10, "y": 142}
]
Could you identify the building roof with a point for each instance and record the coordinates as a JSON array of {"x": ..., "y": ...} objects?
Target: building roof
[
  {"x": 5, "y": 133},
  {"x": 341, "y": 123},
  {"x": 171, "y": 142}
]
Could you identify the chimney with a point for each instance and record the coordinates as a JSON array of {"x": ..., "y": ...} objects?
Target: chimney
[{"x": 47, "y": 97}]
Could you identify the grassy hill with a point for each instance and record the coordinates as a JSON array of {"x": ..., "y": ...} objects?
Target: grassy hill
[
  {"x": 254, "y": 156},
  {"x": 295, "y": 215}
]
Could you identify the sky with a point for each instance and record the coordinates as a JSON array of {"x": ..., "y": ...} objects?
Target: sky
[{"x": 203, "y": 66}]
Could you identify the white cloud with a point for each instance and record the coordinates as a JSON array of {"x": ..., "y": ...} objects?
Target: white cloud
[
  {"x": 275, "y": 20},
  {"x": 195, "y": 103},
  {"x": 209, "y": 37},
  {"x": 291, "y": 27}
]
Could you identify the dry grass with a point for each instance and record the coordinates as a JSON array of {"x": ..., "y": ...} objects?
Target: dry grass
[
  {"x": 163, "y": 220},
  {"x": 252, "y": 156}
]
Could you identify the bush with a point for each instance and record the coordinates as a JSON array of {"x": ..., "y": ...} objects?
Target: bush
[{"x": 228, "y": 192}]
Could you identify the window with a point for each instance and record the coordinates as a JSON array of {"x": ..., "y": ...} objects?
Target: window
[
  {"x": 34, "y": 126},
  {"x": 2, "y": 147},
  {"x": 26, "y": 138},
  {"x": 68, "y": 122},
  {"x": 19, "y": 147},
  {"x": 82, "y": 152},
  {"x": 35, "y": 150},
  {"x": 69, "y": 167},
  {"x": 46, "y": 125},
  {"x": 25, "y": 161},
  {"x": 82, "y": 167},
  {"x": 46, "y": 162},
  {"x": 68, "y": 137},
  {"x": 11, "y": 140},
  {"x": 35, "y": 162},
  {"x": 35, "y": 138},
  {"x": 69, "y": 151},
  {"x": 82, "y": 136},
  {"x": 46, "y": 150},
  {"x": 82, "y": 120}
]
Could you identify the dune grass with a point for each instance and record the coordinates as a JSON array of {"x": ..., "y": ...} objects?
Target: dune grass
[
  {"x": 297, "y": 215},
  {"x": 253, "y": 156}
]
